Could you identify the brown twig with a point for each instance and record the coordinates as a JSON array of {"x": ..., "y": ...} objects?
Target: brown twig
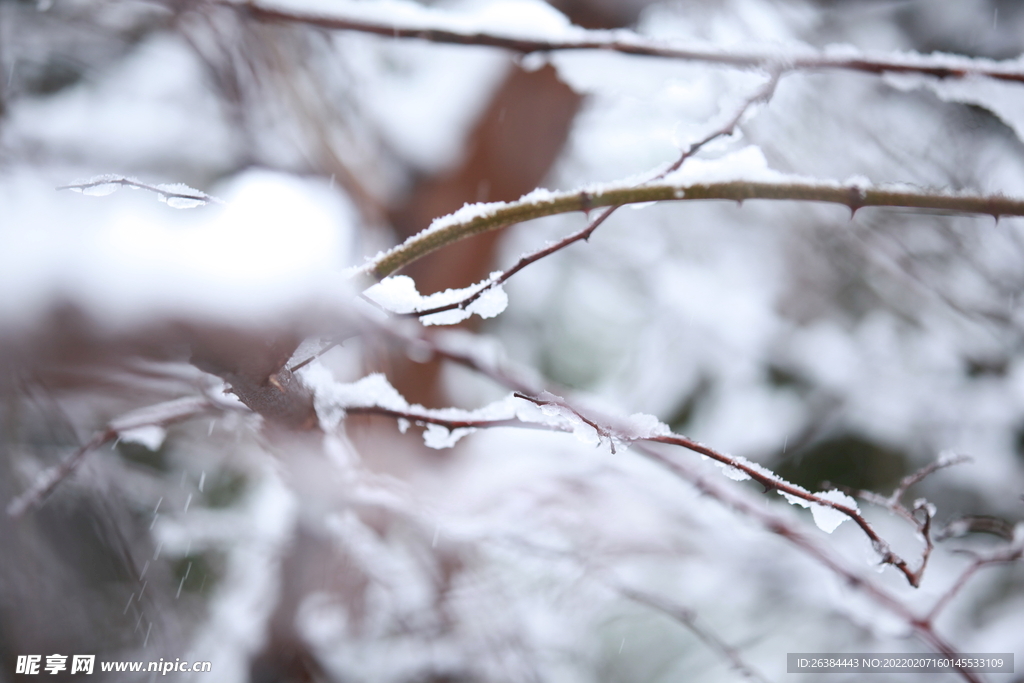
[
  {"x": 770, "y": 481},
  {"x": 922, "y": 627},
  {"x": 893, "y": 503},
  {"x": 688, "y": 618}
]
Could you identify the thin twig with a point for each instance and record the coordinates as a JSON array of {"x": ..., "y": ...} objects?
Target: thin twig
[
  {"x": 922, "y": 523},
  {"x": 425, "y": 417},
  {"x": 628, "y": 42},
  {"x": 770, "y": 481},
  {"x": 921, "y": 627},
  {"x": 925, "y": 471},
  {"x": 688, "y": 618},
  {"x": 1011, "y": 553}
]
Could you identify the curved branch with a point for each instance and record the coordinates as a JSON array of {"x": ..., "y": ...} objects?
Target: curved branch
[
  {"x": 474, "y": 219},
  {"x": 628, "y": 42}
]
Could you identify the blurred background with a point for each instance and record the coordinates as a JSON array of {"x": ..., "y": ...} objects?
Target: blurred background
[{"x": 830, "y": 348}]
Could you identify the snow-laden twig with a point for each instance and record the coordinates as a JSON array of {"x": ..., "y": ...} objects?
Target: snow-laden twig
[
  {"x": 921, "y": 514},
  {"x": 374, "y": 395},
  {"x": 474, "y": 219},
  {"x": 175, "y": 195},
  {"x": 155, "y": 416},
  {"x": 923, "y": 627},
  {"x": 439, "y": 27}
]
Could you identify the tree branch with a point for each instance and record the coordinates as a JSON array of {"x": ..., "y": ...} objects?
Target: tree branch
[
  {"x": 628, "y": 42},
  {"x": 473, "y": 219}
]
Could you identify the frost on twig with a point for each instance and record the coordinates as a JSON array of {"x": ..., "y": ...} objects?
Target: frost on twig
[{"x": 175, "y": 195}]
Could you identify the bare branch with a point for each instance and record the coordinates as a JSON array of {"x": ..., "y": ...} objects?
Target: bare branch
[
  {"x": 628, "y": 42},
  {"x": 770, "y": 481},
  {"x": 1011, "y": 553},
  {"x": 914, "y": 478},
  {"x": 922, "y": 627},
  {"x": 687, "y": 618}
]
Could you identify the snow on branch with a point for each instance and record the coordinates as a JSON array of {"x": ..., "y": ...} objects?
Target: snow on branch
[
  {"x": 739, "y": 177},
  {"x": 175, "y": 195},
  {"x": 444, "y": 427},
  {"x": 553, "y": 33}
]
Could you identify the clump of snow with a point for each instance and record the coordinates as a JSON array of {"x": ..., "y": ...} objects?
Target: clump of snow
[
  {"x": 398, "y": 294},
  {"x": 332, "y": 399},
  {"x": 827, "y": 518},
  {"x": 644, "y": 426},
  {"x": 438, "y": 436},
  {"x": 150, "y": 436}
]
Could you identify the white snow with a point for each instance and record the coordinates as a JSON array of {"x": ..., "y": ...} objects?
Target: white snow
[
  {"x": 828, "y": 519},
  {"x": 398, "y": 294},
  {"x": 150, "y": 436}
]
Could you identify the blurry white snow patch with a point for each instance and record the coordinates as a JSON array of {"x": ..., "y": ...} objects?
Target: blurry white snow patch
[
  {"x": 279, "y": 243},
  {"x": 1005, "y": 99},
  {"x": 153, "y": 105}
]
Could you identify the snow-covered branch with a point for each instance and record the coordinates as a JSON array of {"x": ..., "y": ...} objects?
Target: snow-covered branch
[
  {"x": 405, "y": 20},
  {"x": 695, "y": 182}
]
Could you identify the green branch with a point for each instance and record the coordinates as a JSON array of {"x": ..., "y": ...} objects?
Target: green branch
[{"x": 473, "y": 219}]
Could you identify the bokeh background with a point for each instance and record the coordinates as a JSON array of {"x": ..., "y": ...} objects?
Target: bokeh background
[{"x": 852, "y": 350}]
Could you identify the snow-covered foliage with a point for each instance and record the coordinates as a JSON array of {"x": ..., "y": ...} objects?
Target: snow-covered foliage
[{"x": 678, "y": 445}]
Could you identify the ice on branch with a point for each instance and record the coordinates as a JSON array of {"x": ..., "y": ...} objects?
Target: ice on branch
[{"x": 398, "y": 294}]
